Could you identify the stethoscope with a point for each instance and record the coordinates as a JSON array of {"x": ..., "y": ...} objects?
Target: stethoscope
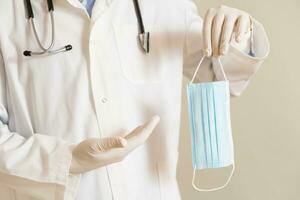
[{"x": 143, "y": 36}]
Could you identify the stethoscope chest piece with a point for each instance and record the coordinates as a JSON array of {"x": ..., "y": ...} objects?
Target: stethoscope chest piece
[
  {"x": 144, "y": 40},
  {"x": 143, "y": 36}
]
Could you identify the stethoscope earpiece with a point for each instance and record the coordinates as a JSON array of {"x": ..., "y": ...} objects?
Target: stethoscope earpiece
[
  {"x": 63, "y": 49},
  {"x": 27, "y": 53}
]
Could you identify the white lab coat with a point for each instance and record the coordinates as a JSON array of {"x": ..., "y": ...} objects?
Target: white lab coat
[{"x": 105, "y": 86}]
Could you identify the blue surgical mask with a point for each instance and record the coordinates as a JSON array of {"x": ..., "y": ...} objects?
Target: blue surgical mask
[{"x": 209, "y": 114}]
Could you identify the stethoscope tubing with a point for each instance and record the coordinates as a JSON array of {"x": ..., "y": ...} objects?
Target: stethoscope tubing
[
  {"x": 143, "y": 36},
  {"x": 139, "y": 16},
  {"x": 38, "y": 38},
  {"x": 45, "y": 50}
]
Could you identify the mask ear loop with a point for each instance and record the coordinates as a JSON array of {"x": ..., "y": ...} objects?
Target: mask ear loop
[
  {"x": 197, "y": 69},
  {"x": 216, "y": 188},
  {"x": 199, "y": 65},
  {"x": 233, "y": 165},
  {"x": 222, "y": 69}
]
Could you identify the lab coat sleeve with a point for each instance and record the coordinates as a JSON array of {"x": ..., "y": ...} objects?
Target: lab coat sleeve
[
  {"x": 37, "y": 166},
  {"x": 238, "y": 65}
]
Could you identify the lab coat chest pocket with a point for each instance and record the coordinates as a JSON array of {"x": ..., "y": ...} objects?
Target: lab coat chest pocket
[{"x": 137, "y": 66}]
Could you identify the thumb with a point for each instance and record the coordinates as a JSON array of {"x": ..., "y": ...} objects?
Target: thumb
[{"x": 141, "y": 133}]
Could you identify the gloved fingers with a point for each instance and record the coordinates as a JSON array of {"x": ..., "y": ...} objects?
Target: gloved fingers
[
  {"x": 227, "y": 31},
  {"x": 108, "y": 143},
  {"x": 216, "y": 33},
  {"x": 116, "y": 142},
  {"x": 134, "y": 132},
  {"x": 112, "y": 155},
  {"x": 207, "y": 24},
  {"x": 242, "y": 27},
  {"x": 107, "y": 153},
  {"x": 220, "y": 25},
  {"x": 134, "y": 139},
  {"x": 141, "y": 133},
  {"x": 95, "y": 153}
]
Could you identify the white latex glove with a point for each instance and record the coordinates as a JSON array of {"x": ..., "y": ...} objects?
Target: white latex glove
[
  {"x": 95, "y": 153},
  {"x": 220, "y": 26}
]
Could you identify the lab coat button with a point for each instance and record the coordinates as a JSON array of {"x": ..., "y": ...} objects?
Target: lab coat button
[{"x": 104, "y": 100}]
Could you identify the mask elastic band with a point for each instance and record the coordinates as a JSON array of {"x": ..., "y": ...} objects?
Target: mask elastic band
[
  {"x": 200, "y": 63},
  {"x": 197, "y": 69},
  {"x": 222, "y": 69},
  {"x": 213, "y": 189}
]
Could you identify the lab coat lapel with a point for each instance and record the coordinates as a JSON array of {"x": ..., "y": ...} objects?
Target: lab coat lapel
[
  {"x": 75, "y": 3},
  {"x": 100, "y": 7}
]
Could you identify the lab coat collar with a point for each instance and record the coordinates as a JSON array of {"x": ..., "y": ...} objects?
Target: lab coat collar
[
  {"x": 99, "y": 5},
  {"x": 77, "y": 3}
]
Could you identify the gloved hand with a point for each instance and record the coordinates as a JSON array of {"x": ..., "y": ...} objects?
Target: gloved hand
[
  {"x": 219, "y": 25},
  {"x": 95, "y": 153}
]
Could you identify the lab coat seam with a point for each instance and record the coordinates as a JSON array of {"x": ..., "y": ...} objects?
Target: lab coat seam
[
  {"x": 188, "y": 24},
  {"x": 2, "y": 65},
  {"x": 13, "y": 114},
  {"x": 63, "y": 172},
  {"x": 72, "y": 188},
  {"x": 110, "y": 183},
  {"x": 96, "y": 109},
  {"x": 159, "y": 181},
  {"x": 10, "y": 111},
  {"x": 31, "y": 178},
  {"x": 118, "y": 49},
  {"x": 64, "y": 162}
]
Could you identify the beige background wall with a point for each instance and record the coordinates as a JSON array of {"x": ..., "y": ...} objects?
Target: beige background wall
[{"x": 266, "y": 119}]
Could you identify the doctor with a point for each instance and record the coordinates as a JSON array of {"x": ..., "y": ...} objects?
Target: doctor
[{"x": 77, "y": 124}]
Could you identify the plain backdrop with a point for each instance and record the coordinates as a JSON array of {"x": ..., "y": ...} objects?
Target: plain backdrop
[{"x": 265, "y": 119}]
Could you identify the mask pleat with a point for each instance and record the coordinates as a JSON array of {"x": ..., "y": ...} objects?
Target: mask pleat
[
  {"x": 213, "y": 124},
  {"x": 205, "y": 122},
  {"x": 200, "y": 142},
  {"x": 209, "y": 127},
  {"x": 193, "y": 106},
  {"x": 222, "y": 123},
  {"x": 197, "y": 140},
  {"x": 219, "y": 101},
  {"x": 192, "y": 122}
]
